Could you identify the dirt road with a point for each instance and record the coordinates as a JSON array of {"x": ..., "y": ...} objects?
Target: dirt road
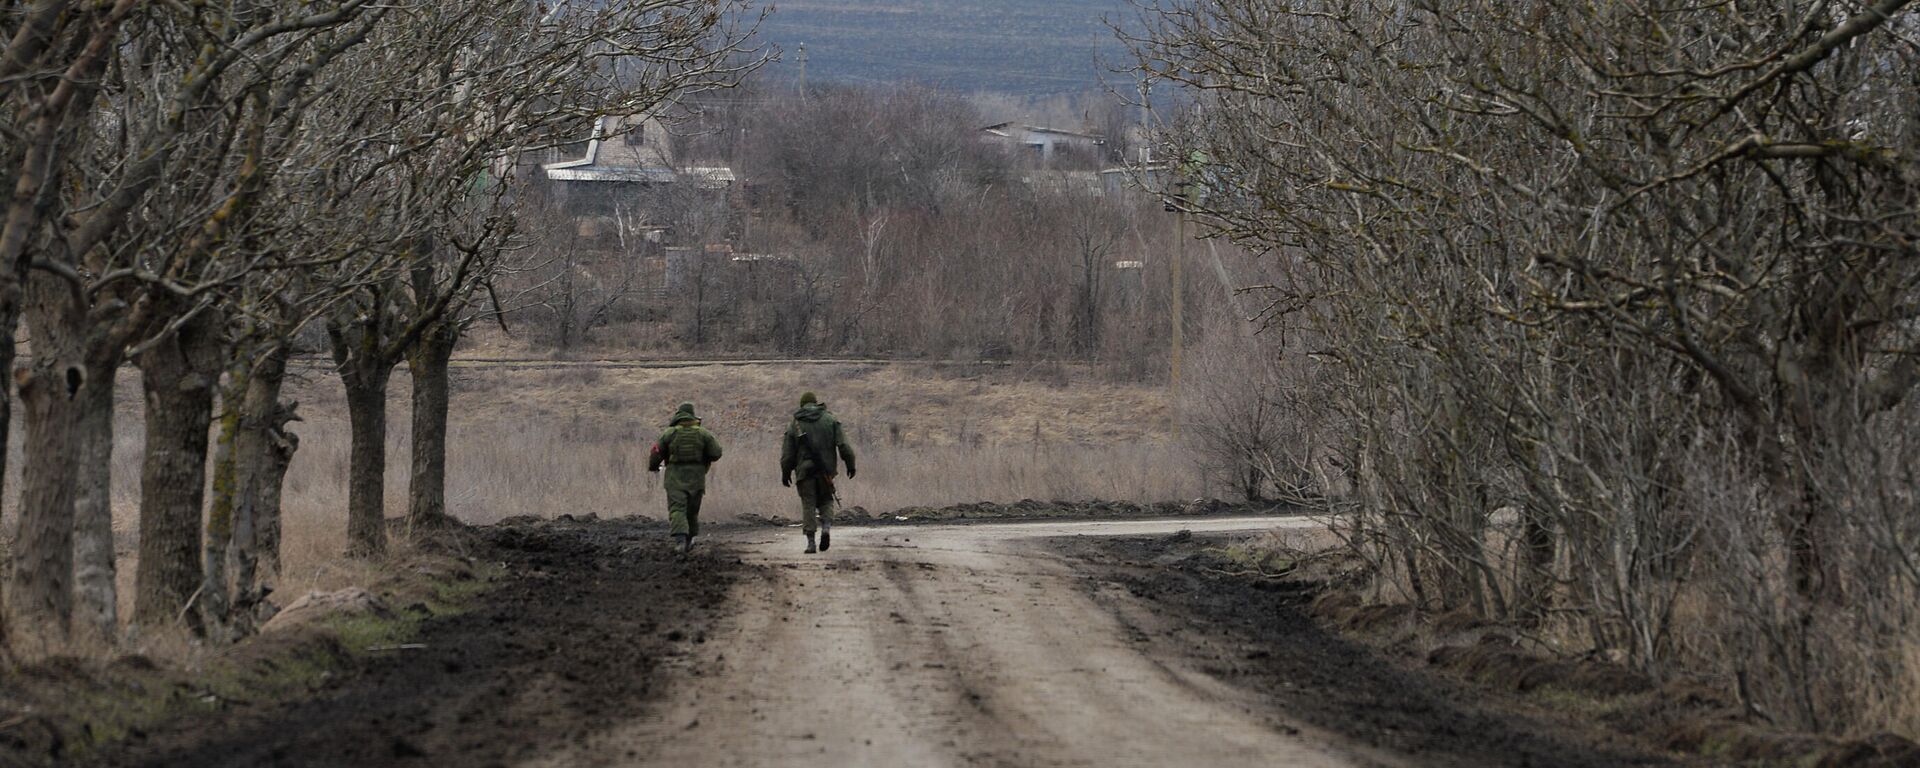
[
  {"x": 1005, "y": 644},
  {"x": 954, "y": 645}
]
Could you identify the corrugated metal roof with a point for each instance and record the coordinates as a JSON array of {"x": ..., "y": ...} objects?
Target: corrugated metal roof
[
  {"x": 593, "y": 173},
  {"x": 716, "y": 177},
  {"x": 999, "y": 129}
]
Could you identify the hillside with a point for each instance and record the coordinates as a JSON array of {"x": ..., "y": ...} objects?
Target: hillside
[{"x": 1011, "y": 46}]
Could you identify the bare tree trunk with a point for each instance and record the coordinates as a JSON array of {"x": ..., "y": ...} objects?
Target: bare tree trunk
[
  {"x": 273, "y": 476},
  {"x": 181, "y": 373},
  {"x": 215, "y": 597},
  {"x": 49, "y": 391},
  {"x": 365, "y": 365},
  {"x": 96, "y": 602},
  {"x": 9, "y": 323},
  {"x": 262, "y": 450},
  {"x": 43, "y": 558},
  {"x": 568, "y": 309},
  {"x": 1806, "y": 561},
  {"x": 367, "y": 465},
  {"x": 1535, "y": 594},
  {"x": 427, "y": 488}
]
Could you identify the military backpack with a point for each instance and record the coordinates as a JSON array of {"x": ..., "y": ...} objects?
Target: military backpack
[{"x": 684, "y": 446}]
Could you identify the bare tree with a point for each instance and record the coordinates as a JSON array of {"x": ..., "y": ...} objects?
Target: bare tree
[
  {"x": 1605, "y": 310},
  {"x": 489, "y": 87},
  {"x": 109, "y": 270},
  {"x": 580, "y": 292},
  {"x": 152, "y": 200}
]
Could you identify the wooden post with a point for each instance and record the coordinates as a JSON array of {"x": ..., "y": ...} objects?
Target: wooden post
[{"x": 1177, "y": 307}]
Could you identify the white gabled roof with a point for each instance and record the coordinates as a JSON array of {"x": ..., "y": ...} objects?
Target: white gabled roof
[
  {"x": 593, "y": 151},
  {"x": 641, "y": 164}
]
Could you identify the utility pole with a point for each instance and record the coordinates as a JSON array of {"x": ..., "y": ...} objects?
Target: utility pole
[
  {"x": 1177, "y": 205},
  {"x": 1146, "y": 126},
  {"x": 1177, "y": 307},
  {"x": 803, "y": 71}
]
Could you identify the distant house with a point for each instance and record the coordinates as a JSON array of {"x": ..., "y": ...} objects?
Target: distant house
[
  {"x": 627, "y": 159},
  {"x": 1040, "y": 142},
  {"x": 631, "y": 150},
  {"x": 628, "y": 194}
]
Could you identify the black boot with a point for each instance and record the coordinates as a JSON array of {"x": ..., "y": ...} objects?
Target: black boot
[
  {"x": 682, "y": 542},
  {"x": 810, "y": 549},
  {"x": 686, "y": 545},
  {"x": 826, "y": 538}
]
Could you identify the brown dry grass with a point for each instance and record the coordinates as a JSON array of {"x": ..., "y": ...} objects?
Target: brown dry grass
[{"x": 574, "y": 441}]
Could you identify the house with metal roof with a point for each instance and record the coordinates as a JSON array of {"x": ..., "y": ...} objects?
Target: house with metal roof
[
  {"x": 1041, "y": 142},
  {"x": 627, "y": 157},
  {"x": 628, "y": 192}
]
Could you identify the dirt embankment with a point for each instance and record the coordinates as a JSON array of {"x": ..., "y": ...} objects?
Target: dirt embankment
[
  {"x": 1450, "y": 691},
  {"x": 569, "y": 643},
  {"x": 1338, "y": 685}
]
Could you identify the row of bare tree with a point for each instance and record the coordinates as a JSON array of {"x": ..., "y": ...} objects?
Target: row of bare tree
[
  {"x": 1607, "y": 314},
  {"x": 191, "y": 185}
]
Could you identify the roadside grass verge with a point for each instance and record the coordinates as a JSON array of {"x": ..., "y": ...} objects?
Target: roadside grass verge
[{"x": 65, "y": 709}]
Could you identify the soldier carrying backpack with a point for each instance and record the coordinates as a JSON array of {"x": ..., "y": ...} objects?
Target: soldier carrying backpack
[
  {"x": 687, "y": 449},
  {"x": 807, "y": 460}
]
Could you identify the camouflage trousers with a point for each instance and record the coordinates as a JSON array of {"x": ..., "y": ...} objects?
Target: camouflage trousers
[
  {"x": 685, "y": 486},
  {"x": 816, "y": 503},
  {"x": 683, "y": 511}
]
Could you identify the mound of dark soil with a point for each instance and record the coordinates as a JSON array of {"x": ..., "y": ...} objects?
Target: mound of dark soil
[
  {"x": 1461, "y": 697},
  {"x": 1339, "y": 685},
  {"x": 568, "y": 645}
]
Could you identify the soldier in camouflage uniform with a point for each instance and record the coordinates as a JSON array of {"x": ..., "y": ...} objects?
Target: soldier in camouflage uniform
[
  {"x": 807, "y": 462},
  {"x": 687, "y": 449}
]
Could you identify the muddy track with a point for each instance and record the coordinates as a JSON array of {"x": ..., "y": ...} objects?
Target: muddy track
[
  {"x": 1027, "y": 645},
  {"x": 1030, "y": 644},
  {"x": 1257, "y": 635},
  {"x": 942, "y": 646},
  {"x": 574, "y": 643}
]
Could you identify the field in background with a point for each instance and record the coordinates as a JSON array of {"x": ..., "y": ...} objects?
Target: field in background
[
  {"x": 574, "y": 441},
  {"x": 964, "y": 45}
]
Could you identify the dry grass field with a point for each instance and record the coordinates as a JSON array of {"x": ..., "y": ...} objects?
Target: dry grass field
[{"x": 547, "y": 442}]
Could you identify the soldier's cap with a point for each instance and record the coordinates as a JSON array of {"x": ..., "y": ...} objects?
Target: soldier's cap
[
  {"x": 809, "y": 399},
  {"x": 683, "y": 413}
]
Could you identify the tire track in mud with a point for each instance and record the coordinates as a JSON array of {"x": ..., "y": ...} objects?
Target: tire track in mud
[
  {"x": 920, "y": 626},
  {"x": 942, "y": 646},
  {"x": 807, "y": 671}
]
